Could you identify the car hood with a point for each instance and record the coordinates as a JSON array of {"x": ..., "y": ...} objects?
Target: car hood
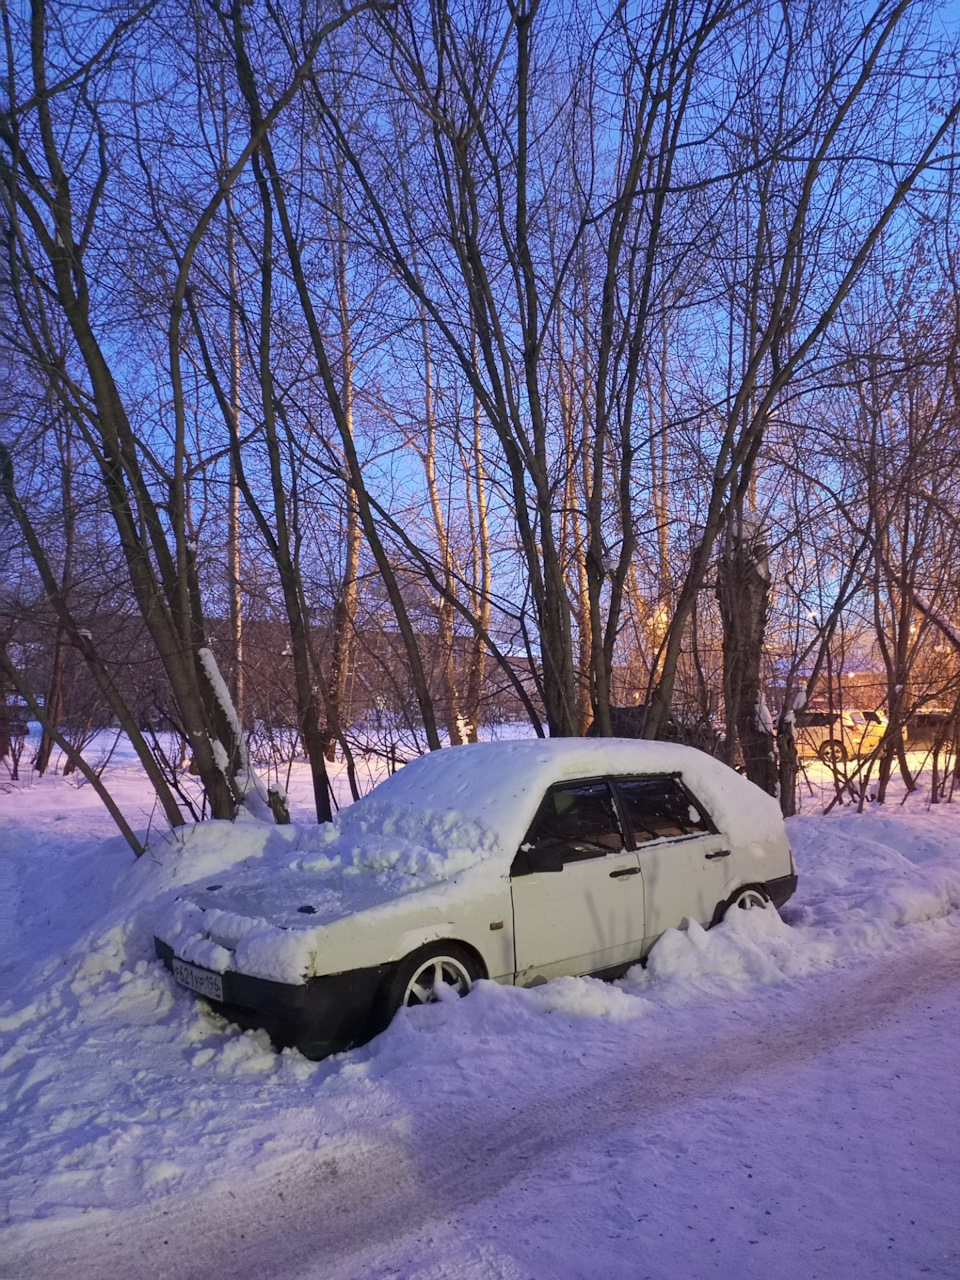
[
  {"x": 271, "y": 916},
  {"x": 293, "y": 898}
]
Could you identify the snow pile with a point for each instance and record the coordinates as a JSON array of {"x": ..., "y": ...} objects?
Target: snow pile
[
  {"x": 268, "y": 916},
  {"x": 549, "y": 1022},
  {"x": 384, "y": 832},
  {"x": 205, "y": 850},
  {"x": 376, "y": 834},
  {"x": 581, "y": 998},
  {"x": 868, "y": 873},
  {"x": 750, "y": 945}
]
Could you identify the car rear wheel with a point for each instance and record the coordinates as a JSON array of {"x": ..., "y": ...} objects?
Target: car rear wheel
[
  {"x": 832, "y": 752},
  {"x": 747, "y": 900}
]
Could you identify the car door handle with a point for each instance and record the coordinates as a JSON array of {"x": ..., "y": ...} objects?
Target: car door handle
[
  {"x": 721, "y": 853},
  {"x": 624, "y": 871}
]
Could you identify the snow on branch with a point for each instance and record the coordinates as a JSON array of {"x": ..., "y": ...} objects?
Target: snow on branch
[{"x": 253, "y": 794}]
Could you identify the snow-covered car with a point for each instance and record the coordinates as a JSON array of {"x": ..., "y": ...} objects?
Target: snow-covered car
[{"x": 516, "y": 861}]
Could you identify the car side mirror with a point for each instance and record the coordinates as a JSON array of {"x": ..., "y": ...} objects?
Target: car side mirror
[{"x": 532, "y": 861}]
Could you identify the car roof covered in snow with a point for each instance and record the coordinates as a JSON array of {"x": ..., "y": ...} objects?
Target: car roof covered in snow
[{"x": 498, "y": 786}]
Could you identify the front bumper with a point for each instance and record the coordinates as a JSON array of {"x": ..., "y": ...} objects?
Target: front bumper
[{"x": 320, "y": 1016}]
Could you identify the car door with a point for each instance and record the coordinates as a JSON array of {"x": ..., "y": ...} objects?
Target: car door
[
  {"x": 684, "y": 860},
  {"x": 577, "y": 891}
]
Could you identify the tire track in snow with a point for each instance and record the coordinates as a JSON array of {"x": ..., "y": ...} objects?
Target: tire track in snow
[{"x": 320, "y": 1212}]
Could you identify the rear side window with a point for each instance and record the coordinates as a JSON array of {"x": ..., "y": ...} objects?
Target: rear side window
[
  {"x": 815, "y": 719},
  {"x": 660, "y": 808},
  {"x": 577, "y": 821}
]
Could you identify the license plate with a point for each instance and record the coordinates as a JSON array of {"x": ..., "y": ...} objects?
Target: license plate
[{"x": 202, "y": 981}]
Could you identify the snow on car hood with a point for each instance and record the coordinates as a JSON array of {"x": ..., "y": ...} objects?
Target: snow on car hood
[
  {"x": 268, "y": 921},
  {"x": 265, "y": 914},
  {"x": 445, "y": 828}
]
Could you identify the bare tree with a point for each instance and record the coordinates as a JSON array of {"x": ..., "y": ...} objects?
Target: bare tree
[
  {"x": 796, "y": 271},
  {"x": 56, "y": 183}
]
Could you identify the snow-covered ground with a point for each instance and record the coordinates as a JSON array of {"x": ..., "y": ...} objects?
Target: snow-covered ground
[{"x": 769, "y": 1099}]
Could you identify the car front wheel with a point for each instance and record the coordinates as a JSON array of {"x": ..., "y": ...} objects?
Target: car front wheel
[{"x": 418, "y": 978}]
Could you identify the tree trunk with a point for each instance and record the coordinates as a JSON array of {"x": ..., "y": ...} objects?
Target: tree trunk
[
  {"x": 451, "y": 713},
  {"x": 53, "y": 705},
  {"x": 233, "y": 494},
  {"x": 345, "y": 607},
  {"x": 480, "y": 595},
  {"x": 788, "y": 764},
  {"x": 742, "y": 590}
]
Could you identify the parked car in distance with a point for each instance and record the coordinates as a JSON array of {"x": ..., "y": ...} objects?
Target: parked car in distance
[
  {"x": 933, "y": 728},
  {"x": 517, "y": 861},
  {"x": 839, "y": 736}
]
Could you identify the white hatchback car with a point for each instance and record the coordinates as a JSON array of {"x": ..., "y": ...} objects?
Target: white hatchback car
[{"x": 517, "y": 861}]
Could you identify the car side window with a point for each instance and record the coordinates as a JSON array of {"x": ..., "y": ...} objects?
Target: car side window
[
  {"x": 815, "y": 720},
  {"x": 576, "y": 821},
  {"x": 660, "y": 808}
]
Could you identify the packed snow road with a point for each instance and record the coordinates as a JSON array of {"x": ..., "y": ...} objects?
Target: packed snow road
[{"x": 806, "y": 1132}]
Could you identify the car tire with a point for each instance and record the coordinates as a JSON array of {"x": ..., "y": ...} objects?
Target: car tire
[
  {"x": 413, "y": 981},
  {"x": 832, "y": 752},
  {"x": 747, "y": 899}
]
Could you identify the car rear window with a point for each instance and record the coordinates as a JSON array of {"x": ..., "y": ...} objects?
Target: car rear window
[{"x": 659, "y": 808}]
